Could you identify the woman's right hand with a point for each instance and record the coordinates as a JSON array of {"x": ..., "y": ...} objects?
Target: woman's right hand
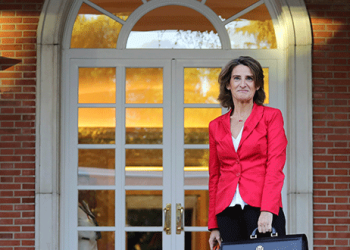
[{"x": 214, "y": 238}]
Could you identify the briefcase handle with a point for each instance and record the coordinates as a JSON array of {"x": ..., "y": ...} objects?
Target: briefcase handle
[{"x": 254, "y": 233}]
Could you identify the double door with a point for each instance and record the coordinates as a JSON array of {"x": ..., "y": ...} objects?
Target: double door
[{"x": 137, "y": 152}]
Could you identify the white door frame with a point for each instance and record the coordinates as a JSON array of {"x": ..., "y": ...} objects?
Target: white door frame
[{"x": 294, "y": 29}]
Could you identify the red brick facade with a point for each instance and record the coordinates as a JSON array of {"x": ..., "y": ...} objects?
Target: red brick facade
[
  {"x": 331, "y": 122},
  {"x": 18, "y": 21}
]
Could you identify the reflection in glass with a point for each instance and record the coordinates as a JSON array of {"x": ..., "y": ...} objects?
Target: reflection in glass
[
  {"x": 173, "y": 27},
  {"x": 144, "y": 167},
  {"x": 196, "y": 121},
  {"x": 120, "y": 8},
  {"x": 143, "y": 240},
  {"x": 106, "y": 242},
  {"x": 143, "y": 208},
  {"x": 196, "y": 208},
  {"x": 92, "y": 29},
  {"x": 253, "y": 30},
  {"x": 201, "y": 85},
  {"x": 97, "y": 85},
  {"x": 143, "y": 125},
  {"x": 266, "y": 85},
  {"x": 96, "y": 125},
  {"x": 196, "y": 167},
  {"x": 144, "y": 85},
  {"x": 226, "y": 9},
  {"x": 197, "y": 240},
  {"x": 101, "y": 204},
  {"x": 96, "y": 166}
]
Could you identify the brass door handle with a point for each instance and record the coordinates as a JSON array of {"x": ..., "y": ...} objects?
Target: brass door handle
[
  {"x": 167, "y": 218},
  {"x": 179, "y": 218}
]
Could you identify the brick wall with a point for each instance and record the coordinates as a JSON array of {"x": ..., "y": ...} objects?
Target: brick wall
[
  {"x": 18, "y": 26},
  {"x": 331, "y": 122}
]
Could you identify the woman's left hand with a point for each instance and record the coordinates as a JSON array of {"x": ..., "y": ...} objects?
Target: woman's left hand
[{"x": 265, "y": 222}]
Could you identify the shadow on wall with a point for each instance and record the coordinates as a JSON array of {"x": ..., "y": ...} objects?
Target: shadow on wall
[{"x": 6, "y": 62}]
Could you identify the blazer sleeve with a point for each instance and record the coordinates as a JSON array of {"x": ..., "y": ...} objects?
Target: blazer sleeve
[
  {"x": 276, "y": 158},
  {"x": 214, "y": 174}
]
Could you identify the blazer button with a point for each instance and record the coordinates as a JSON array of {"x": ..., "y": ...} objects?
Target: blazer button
[{"x": 238, "y": 174}]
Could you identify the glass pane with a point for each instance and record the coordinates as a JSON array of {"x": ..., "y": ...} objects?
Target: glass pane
[
  {"x": 196, "y": 123},
  {"x": 173, "y": 27},
  {"x": 266, "y": 85},
  {"x": 120, "y": 8},
  {"x": 96, "y": 167},
  {"x": 253, "y": 30},
  {"x": 101, "y": 204},
  {"x": 97, "y": 85},
  {"x": 96, "y": 126},
  {"x": 107, "y": 240},
  {"x": 143, "y": 240},
  {"x": 144, "y": 125},
  {"x": 196, "y": 166},
  {"x": 196, "y": 208},
  {"x": 197, "y": 240},
  {"x": 226, "y": 9},
  {"x": 144, "y": 167},
  {"x": 144, "y": 85},
  {"x": 143, "y": 208},
  {"x": 92, "y": 29},
  {"x": 201, "y": 85}
]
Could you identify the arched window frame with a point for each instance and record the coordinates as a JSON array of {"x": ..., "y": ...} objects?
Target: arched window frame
[{"x": 291, "y": 21}]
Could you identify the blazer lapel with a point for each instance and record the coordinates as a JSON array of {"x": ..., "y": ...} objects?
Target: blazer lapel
[
  {"x": 251, "y": 122},
  {"x": 226, "y": 124}
]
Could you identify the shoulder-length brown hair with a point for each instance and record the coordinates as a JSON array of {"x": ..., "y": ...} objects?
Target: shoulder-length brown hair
[{"x": 225, "y": 96}]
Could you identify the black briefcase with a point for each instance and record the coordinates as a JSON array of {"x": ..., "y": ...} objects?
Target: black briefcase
[{"x": 275, "y": 242}]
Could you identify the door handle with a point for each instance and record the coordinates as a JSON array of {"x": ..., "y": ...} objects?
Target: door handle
[
  {"x": 179, "y": 218},
  {"x": 167, "y": 219}
]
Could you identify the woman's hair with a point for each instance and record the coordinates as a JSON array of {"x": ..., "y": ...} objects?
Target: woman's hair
[{"x": 225, "y": 96}]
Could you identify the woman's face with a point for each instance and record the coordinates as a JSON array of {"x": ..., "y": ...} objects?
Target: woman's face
[{"x": 242, "y": 85}]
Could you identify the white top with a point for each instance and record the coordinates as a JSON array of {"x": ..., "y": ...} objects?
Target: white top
[{"x": 237, "y": 199}]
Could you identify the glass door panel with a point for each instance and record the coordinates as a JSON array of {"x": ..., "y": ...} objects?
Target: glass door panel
[
  {"x": 143, "y": 125},
  {"x": 196, "y": 122},
  {"x": 196, "y": 208},
  {"x": 94, "y": 159},
  {"x": 96, "y": 166},
  {"x": 143, "y": 167},
  {"x": 197, "y": 240},
  {"x": 198, "y": 106},
  {"x": 144, "y": 85},
  {"x": 121, "y": 153},
  {"x": 96, "y": 125},
  {"x": 143, "y": 208},
  {"x": 201, "y": 85},
  {"x": 196, "y": 167},
  {"x": 198, "y": 89},
  {"x": 97, "y": 85},
  {"x": 101, "y": 204},
  {"x": 146, "y": 149}
]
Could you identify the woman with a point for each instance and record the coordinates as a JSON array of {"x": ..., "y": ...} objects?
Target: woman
[{"x": 247, "y": 155}]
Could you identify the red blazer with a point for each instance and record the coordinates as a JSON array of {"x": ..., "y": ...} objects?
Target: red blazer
[{"x": 257, "y": 165}]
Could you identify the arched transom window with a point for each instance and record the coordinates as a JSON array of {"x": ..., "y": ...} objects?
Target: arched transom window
[{"x": 178, "y": 25}]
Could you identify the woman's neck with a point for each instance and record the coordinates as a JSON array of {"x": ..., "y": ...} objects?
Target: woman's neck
[{"x": 242, "y": 109}]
